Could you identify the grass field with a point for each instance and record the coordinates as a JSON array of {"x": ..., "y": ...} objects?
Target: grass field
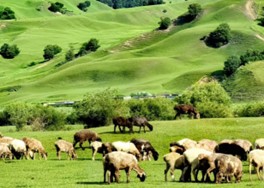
[
  {"x": 133, "y": 56},
  {"x": 84, "y": 172}
]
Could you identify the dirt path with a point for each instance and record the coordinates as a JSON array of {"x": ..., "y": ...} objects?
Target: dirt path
[{"x": 250, "y": 10}]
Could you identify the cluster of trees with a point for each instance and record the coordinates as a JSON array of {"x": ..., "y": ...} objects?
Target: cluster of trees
[
  {"x": 234, "y": 62},
  {"x": 130, "y": 3},
  {"x": 194, "y": 10},
  {"x": 50, "y": 51},
  {"x": 219, "y": 37},
  {"x": 84, "y": 5},
  {"x": 9, "y": 51},
  {"x": 164, "y": 23},
  {"x": 57, "y": 7},
  {"x": 7, "y": 14}
]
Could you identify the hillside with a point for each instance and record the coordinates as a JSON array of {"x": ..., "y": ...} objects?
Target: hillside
[{"x": 133, "y": 56}]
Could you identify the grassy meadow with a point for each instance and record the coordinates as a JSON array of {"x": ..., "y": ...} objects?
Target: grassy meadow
[
  {"x": 84, "y": 172},
  {"x": 133, "y": 56}
]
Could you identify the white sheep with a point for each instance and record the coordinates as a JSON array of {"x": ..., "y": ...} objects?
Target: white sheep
[
  {"x": 117, "y": 160},
  {"x": 207, "y": 144},
  {"x": 6, "y": 139},
  {"x": 34, "y": 146},
  {"x": 173, "y": 161},
  {"x": 256, "y": 158},
  {"x": 259, "y": 143},
  {"x": 18, "y": 148},
  {"x": 96, "y": 147},
  {"x": 128, "y": 147},
  {"x": 67, "y": 147},
  {"x": 191, "y": 156}
]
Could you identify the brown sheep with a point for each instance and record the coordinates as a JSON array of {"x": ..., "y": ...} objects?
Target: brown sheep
[
  {"x": 107, "y": 147},
  {"x": 85, "y": 135},
  {"x": 173, "y": 161},
  {"x": 64, "y": 146},
  {"x": 207, "y": 144},
  {"x": 115, "y": 161},
  {"x": 35, "y": 146},
  {"x": 5, "y": 151}
]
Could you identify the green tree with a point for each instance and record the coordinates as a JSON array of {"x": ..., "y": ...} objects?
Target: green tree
[
  {"x": 50, "y": 51},
  {"x": 231, "y": 65},
  {"x": 220, "y": 36},
  {"x": 9, "y": 51},
  {"x": 98, "y": 109},
  {"x": 69, "y": 56},
  {"x": 56, "y": 7},
  {"x": 7, "y": 14},
  {"x": 194, "y": 10},
  {"x": 164, "y": 23},
  {"x": 91, "y": 46},
  {"x": 84, "y": 5},
  {"x": 209, "y": 97}
]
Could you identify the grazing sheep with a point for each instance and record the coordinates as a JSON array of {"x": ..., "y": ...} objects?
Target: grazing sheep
[
  {"x": 141, "y": 122},
  {"x": 186, "y": 109},
  {"x": 83, "y": 135},
  {"x": 107, "y": 147},
  {"x": 115, "y": 161},
  {"x": 228, "y": 166},
  {"x": 145, "y": 147},
  {"x": 233, "y": 148},
  {"x": 18, "y": 148},
  {"x": 122, "y": 122},
  {"x": 207, "y": 144},
  {"x": 6, "y": 139},
  {"x": 259, "y": 143},
  {"x": 5, "y": 151},
  {"x": 173, "y": 161},
  {"x": 245, "y": 144},
  {"x": 128, "y": 147},
  {"x": 182, "y": 145},
  {"x": 192, "y": 162},
  {"x": 256, "y": 159},
  {"x": 67, "y": 147},
  {"x": 35, "y": 146},
  {"x": 96, "y": 147}
]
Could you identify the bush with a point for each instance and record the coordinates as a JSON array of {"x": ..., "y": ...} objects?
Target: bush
[
  {"x": 231, "y": 65},
  {"x": 56, "y": 7},
  {"x": 7, "y": 14},
  {"x": 69, "y": 55},
  {"x": 83, "y": 6},
  {"x": 194, "y": 10},
  {"x": 209, "y": 98},
  {"x": 98, "y": 109},
  {"x": 152, "y": 109},
  {"x": 164, "y": 23},
  {"x": 90, "y": 46},
  {"x": 250, "y": 110},
  {"x": 50, "y": 51},
  {"x": 9, "y": 51},
  {"x": 221, "y": 36}
]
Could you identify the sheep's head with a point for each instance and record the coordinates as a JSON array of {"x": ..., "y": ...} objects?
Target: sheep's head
[{"x": 142, "y": 176}]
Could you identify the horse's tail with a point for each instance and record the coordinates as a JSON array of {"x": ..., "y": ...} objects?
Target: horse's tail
[{"x": 149, "y": 126}]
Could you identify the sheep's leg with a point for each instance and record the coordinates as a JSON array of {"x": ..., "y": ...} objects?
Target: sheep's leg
[
  {"x": 94, "y": 152},
  {"x": 250, "y": 166},
  {"x": 144, "y": 127},
  {"x": 81, "y": 143},
  {"x": 128, "y": 174},
  {"x": 116, "y": 176},
  {"x": 59, "y": 155},
  {"x": 172, "y": 173},
  {"x": 258, "y": 169},
  {"x": 166, "y": 171}
]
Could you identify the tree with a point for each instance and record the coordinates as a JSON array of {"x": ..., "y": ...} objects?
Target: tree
[
  {"x": 220, "y": 36},
  {"x": 83, "y": 6},
  {"x": 7, "y": 14},
  {"x": 231, "y": 65},
  {"x": 56, "y": 7},
  {"x": 209, "y": 97},
  {"x": 164, "y": 23},
  {"x": 69, "y": 55},
  {"x": 9, "y": 51},
  {"x": 90, "y": 46},
  {"x": 194, "y": 10},
  {"x": 50, "y": 51}
]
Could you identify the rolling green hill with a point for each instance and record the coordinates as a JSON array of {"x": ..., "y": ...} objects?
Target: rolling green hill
[{"x": 133, "y": 56}]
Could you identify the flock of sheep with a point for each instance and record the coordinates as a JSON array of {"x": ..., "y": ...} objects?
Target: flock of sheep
[{"x": 223, "y": 159}]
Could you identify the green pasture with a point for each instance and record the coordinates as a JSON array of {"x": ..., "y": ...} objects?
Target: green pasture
[
  {"x": 84, "y": 172},
  {"x": 133, "y": 56}
]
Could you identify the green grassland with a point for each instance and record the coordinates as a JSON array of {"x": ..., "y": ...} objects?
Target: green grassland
[
  {"x": 133, "y": 56},
  {"x": 84, "y": 172}
]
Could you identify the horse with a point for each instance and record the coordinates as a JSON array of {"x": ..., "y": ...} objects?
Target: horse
[
  {"x": 122, "y": 122},
  {"x": 186, "y": 109},
  {"x": 141, "y": 122}
]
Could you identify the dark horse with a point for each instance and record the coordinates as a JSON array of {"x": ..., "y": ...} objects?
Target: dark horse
[
  {"x": 123, "y": 122},
  {"x": 141, "y": 122},
  {"x": 186, "y": 109}
]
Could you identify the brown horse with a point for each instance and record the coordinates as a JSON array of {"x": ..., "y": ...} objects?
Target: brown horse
[
  {"x": 186, "y": 109},
  {"x": 141, "y": 122},
  {"x": 122, "y": 122}
]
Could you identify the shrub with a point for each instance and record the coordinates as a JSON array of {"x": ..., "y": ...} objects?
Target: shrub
[
  {"x": 209, "y": 98},
  {"x": 164, "y": 23},
  {"x": 194, "y": 10},
  {"x": 83, "y": 6},
  {"x": 152, "y": 109},
  {"x": 50, "y": 51},
  {"x": 9, "y": 51},
  {"x": 90, "y": 46},
  {"x": 7, "y": 14},
  {"x": 56, "y": 7},
  {"x": 98, "y": 109},
  {"x": 69, "y": 56},
  {"x": 250, "y": 110},
  {"x": 231, "y": 65},
  {"x": 221, "y": 36}
]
